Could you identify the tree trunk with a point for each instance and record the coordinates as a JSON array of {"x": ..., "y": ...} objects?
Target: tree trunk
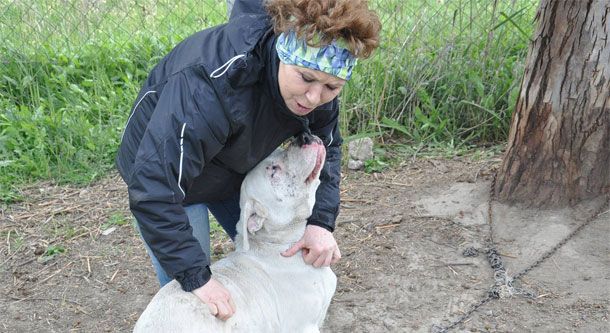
[{"x": 559, "y": 144}]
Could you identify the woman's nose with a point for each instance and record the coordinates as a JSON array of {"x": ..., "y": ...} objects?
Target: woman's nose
[{"x": 314, "y": 96}]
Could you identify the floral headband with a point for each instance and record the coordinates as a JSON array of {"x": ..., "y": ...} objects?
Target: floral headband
[{"x": 332, "y": 59}]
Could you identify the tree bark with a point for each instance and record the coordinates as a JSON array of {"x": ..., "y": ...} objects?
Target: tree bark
[{"x": 558, "y": 149}]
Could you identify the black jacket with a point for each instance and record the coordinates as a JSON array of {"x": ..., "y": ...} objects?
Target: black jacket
[{"x": 196, "y": 130}]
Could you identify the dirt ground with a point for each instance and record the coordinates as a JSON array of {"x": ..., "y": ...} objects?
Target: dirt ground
[{"x": 71, "y": 260}]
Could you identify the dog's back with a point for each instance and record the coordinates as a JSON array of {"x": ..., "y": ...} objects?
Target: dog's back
[{"x": 284, "y": 296}]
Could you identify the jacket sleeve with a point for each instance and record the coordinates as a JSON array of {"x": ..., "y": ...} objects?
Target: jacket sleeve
[
  {"x": 326, "y": 208},
  {"x": 176, "y": 144}
]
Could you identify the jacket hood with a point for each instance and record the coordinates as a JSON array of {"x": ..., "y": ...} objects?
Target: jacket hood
[
  {"x": 273, "y": 85},
  {"x": 258, "y": 64}
]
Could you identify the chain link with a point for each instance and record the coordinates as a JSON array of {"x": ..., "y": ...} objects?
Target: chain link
[
  {"x": 552, "y": 251},
  {"x": 503, "y": 283},
  {"x": 462, "y": 319}
]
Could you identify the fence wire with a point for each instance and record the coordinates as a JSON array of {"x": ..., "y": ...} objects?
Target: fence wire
[
  {"x": 446, "y": 71},
  {"x": 27, "y": 26}
]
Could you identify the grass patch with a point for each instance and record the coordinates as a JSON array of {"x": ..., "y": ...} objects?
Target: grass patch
[
  {"x": 450, "y": 71},
  {"x": 117, "y": 220},
  {"x": 446, "y": 73},
  {"x": 14, "y": 241},
  {"x": 51, "y": 252}
]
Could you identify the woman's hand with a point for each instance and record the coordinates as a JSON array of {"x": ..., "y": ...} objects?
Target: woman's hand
[
  {"x": 218, "y": 299},
  {"x": 318, "y": 246}
]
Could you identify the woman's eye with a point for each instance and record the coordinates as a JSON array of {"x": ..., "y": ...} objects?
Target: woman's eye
[{"x": 306, "y": 79}]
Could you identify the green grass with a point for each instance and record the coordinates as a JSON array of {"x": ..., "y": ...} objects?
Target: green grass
[
  {"x": 14, "y": 241},
  {"x": 452, "y": 72},
  {"x": 446, "y": 74},
  {"x": 51, "y": 252},
  {"x": 116, "y": 220},
  {"x": 68, "y": 79}
]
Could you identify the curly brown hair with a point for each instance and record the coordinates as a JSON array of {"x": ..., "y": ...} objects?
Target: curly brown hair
[{"x": 320, "y": 22}]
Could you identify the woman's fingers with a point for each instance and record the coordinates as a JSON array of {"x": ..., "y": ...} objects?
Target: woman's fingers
[
  {"x": 224, "y": 310},
  {"x": 213, "y": 309},
  {"x": 336, "y": 256},
  {"x": 218, "y": 299}
]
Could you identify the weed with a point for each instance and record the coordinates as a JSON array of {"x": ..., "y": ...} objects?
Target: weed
[
  {"x": 14, "y": 240},
  {"x": 51, "y": 252},
  {"x": 116, "y": 219},
  {"x": 375, "y": 165},
  {"x": 215, "y": 227}
]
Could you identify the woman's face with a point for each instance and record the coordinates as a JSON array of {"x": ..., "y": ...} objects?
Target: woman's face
[{"x": 305, "y": 89}]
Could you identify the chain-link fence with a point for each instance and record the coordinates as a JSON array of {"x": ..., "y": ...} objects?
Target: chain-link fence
[
  {"x": 68, "y": 24},
  {"x": 69, "y": 70},
  {"x": 422, "y": 40},
  {"x": 28, "y": 25}
]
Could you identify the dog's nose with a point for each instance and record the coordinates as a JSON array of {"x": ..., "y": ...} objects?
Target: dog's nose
[{"x": 304, "y": 139}]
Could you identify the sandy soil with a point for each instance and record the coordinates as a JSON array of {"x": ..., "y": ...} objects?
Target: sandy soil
[{"x": 402, "y": 234}]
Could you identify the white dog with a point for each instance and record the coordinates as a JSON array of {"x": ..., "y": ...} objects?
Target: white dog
[{"x": 272, "y": 293}]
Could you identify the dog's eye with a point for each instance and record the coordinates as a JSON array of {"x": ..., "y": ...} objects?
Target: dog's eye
[{"x": 273, "y": 169}]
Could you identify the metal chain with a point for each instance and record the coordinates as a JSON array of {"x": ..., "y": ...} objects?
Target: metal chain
[
  {"x": 466, "y": 315},
  {"x": 503, "y": 283},
  {"x": 552, "y": 251}
]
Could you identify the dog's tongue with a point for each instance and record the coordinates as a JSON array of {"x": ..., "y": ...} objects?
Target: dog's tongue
[{"x": 319, "y": 160}]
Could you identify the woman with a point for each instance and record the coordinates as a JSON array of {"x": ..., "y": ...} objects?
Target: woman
[{"x": 219, "y": 103}]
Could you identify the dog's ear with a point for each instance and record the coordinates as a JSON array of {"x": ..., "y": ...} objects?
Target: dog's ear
[
  {"x": 256, "y": 217},
  {"x": 252, "y": 216}
]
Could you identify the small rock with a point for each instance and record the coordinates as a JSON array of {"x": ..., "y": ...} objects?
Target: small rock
[
  {"x": 361, "y": 149},
  {"x": 108, "y": 231},
  {"x": 355, "y": 165},
  {"x": 396, "y": 219},
  {"x": 39, "y": 250}
]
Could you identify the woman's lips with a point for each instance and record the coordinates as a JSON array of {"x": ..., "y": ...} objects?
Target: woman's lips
[{"x": 303, "y": 108}]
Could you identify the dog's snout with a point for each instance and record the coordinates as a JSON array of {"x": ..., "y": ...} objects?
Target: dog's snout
[{"x": 304, "y": 138}]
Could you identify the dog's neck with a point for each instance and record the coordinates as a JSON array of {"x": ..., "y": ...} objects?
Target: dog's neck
[{"x": 271, "y": 238}]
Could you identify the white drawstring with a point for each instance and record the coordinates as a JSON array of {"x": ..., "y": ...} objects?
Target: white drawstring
[
  {"x": 181, "y": 159},
  {"x": 225, "y": 66}
]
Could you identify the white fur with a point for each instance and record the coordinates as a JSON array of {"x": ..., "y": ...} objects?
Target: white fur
[{"x": 272, "y": 293}]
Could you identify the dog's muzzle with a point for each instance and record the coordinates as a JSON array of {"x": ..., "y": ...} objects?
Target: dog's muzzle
[{"x": 306, "y": 138}]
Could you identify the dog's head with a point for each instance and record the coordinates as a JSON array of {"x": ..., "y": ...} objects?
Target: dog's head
[{"x": 281, "y": 190}]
